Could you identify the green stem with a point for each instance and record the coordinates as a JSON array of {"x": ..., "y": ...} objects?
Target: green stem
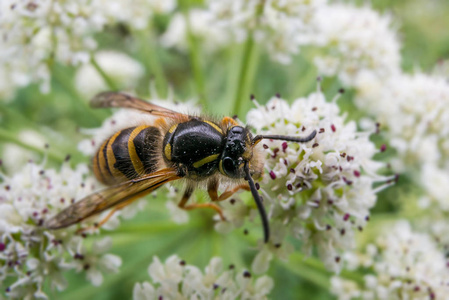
[
  {"x": 11, "y": 137},
  {"x": 243, "y": 79},
  {"x": 248, "y": 68},
  {"x": 111, "y": 84},
  {"x": 195, "y": 59},
  {"x": 314, "y": 270},
  {"x": 309, "y": 269},
  {"x": 66, "y": 82},
  {"x": 152, "y": 61},
  {"x": 307, "y": 82},
  {"x": 19, "y": 119},
  {"x": 151, "y": 228}
]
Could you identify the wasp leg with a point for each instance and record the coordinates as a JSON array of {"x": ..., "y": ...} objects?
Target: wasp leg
[
  {"x": 212, "y": 189},
  {"x": 108, "y": 216},
  {"x": 229, "y": 122},
  {"x": 188, "y": 192}
]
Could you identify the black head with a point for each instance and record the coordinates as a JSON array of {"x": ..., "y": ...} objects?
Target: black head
[{"x": 237, "y": 151}]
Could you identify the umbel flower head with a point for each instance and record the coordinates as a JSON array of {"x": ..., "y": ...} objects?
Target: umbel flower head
[
  {"x": 415, "y": 111},
  {"x": 177, "y": 280},
  {"x": 355, "y": 40},
  {"x": 403, "y": 264},
  {"x": 281, "y": 27},
  {"x": 319, "y": 192},
  {"x": 35, "y": 34},
  {"x": 31, "y": 255}
]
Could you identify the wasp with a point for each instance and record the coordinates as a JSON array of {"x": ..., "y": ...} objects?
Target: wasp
[{"x": 135, "y": 161}]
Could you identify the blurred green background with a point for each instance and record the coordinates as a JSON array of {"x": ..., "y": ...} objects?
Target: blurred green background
[{"x": 58, "y": 116}]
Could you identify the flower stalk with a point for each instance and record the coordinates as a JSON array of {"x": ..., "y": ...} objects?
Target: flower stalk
[
  {"x": 108, "y": 80},
  {"x": 149, "y": 49},
  {"x": 195, "y": 60},
  {"x": 248, "y": 66}
]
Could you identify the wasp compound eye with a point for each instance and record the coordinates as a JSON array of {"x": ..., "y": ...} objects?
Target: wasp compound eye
[{"x": 228, "y": 166}]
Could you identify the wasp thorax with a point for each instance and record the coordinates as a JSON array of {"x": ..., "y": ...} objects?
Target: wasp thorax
[{"x": 232, "y": 159}]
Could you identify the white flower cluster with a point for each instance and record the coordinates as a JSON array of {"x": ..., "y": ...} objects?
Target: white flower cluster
[
  {"x": 136, "y": 13},
  {"x": 37, "y": 33},
  {"x": 321, "y": 192},
  {"x": 31, "y": 256},
  {"x": 415, "y": 111},
  {"x": 351, "y": 39},
  {"x": 211, "y": 37},
  {"x": 355, "y": 40},
  {"x": 407, "y": 265},
  {"x": 177, "y": 280},
  {"x": 281, "y": 27}
]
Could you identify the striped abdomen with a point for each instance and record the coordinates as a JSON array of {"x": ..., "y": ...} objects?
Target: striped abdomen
[{"x": 128, "y": 154}]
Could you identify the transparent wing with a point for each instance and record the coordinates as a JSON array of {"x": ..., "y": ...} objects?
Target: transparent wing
[
  {"x": 110, "y": 197},
  {"x": 118, "y": 99}
]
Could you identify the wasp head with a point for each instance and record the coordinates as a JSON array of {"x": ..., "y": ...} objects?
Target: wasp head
[{"x": 237, "y": 151}]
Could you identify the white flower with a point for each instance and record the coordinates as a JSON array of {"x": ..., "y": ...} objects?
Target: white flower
[
  {"x": 413, "y": 111},
  {"x": 281, "y": 27},
  {"x": 321, "y": 192},
  {"x": 435, "y": 182},
  {"x": 407, "y": 265},
  {"x": 31, "y": 255},
  {"x": 441, "y": 69},
  {"x": 136, "y": 13},
  {"x": 355, "y": 40},
  {"x": 176, "y": 280},
  {"x": 178, "y": 215},
  {"x": 122, "y": 69},
  {"x": 344, "y": 289},
  {"x": 212, "y": 38},
  {"x": 286, "y": 26},
  {"x": 144, "y": 291},
  {"x": 37, "y": 33},
  {"x": 16, "y": 155}
]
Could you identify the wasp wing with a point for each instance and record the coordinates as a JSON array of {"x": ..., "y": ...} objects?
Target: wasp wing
[
  {"x": 123, "y": 193},
  {"x": 118, "y": 99}
]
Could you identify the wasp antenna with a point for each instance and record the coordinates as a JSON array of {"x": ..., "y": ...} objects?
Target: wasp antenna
[
  {"x": 308, "y": 138},
  {"x": 260, "y": 207}
]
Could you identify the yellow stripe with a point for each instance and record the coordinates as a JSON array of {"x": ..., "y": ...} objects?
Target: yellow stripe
[
  {"x": 214, "y": 126},
  {"x": 96, "y": 167},
  {"x": 205, "y": 160},
  {"x": 220, "y": 167},
  {"x": 111, "y": 157},
  {"x": 167, "y": 151},
  {"x": 173, "y": 128},
  {"x": 104, "y": 173},
  {"x": 137, "y": 163}
]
